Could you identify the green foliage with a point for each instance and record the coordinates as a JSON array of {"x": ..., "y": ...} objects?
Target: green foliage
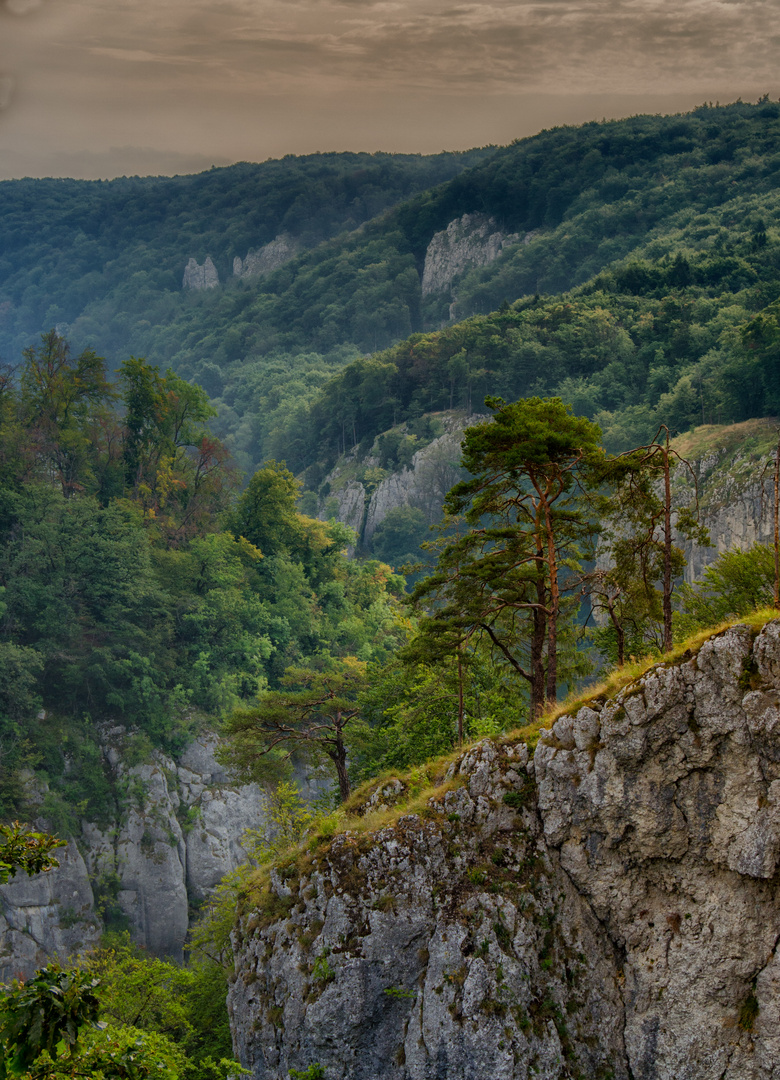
[
  {"x": 398, "y": 538},
  {"x": 107, "y": 259},
  {"x": 21, "y": 849},
  {"x": 637, "y": 532},
  {"x": 60, "y": 399},
  {"x": 748, "y": 1011},
  {"x": 309, "y": 716},
  {"x": 505, "y": 579},
  {"x": 81, "y": 592},
  {"x": 266, "y": 514},
  {"x": 322, "y": 971},
  {"x": 46, "y": 1013},
  {"x": 210, "y": 937},
  {"x": 49, "y": 1028},
  {"x": 114, "y": 1054},
  {"x": 410, "y": 710},
  {"x": 518, "y": 799},
  {"x": 20, "y": 670},
  {"x": 122, "y": 597},
  {"x": 183, "y": 1005},
  {"x": 289, "y": 819},
  {"x": 313, "y": 1072},
  {"x": 664, "y": 276},
  {"x": 735, "y": 584}
]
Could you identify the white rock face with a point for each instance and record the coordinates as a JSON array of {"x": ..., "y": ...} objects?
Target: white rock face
[
  {"x": 469, "y": 241},
  {"x": 434, "y": 470},
  {"x": 48, "y": 915},
  {"x": 735, "y": 509},
  {"x": 200, "y": 277},
  {"x": 267, "y": 258},
  {"x": 352, "y": 505},
  {"x": 179, "y": 835},
  {"x": 736, "y": 505},
  {"x": 437, "y": 948},
  {"x": 663, "y": 806},
  {"x": 610, "y": 909}
]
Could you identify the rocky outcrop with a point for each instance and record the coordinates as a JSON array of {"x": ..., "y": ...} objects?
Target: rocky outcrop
[
  {"x": 664, "y": 807},
  {"x": 469, "y": 241},
  {"x": 351, "y": 501},
  {"x": 200, "y": 277},
  {"x": 434, "y": 469},
  {"x": 609, "y": 908},
  {"x": 179, "y": 833},
  {"x": 267, "y": 258},
  {"x": 46, "y": 916},
  {"x": 735, "y": 493}
]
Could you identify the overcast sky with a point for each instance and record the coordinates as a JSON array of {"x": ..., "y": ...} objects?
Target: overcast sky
[{"x": 103, "y": 87}]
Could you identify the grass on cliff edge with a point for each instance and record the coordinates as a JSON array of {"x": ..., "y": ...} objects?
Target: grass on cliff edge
[
  {"x": 429, "y": 781},
  {"x": 620, "y": 678}
]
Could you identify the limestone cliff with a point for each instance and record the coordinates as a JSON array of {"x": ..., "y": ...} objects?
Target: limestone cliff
[
  {"x": 608, "y": 908},
  {"x": 200, "y": 277},
  {"x": 734, "y": 487},
  {"x": 423, "y": 484},
  {"x": 178, "y": 833},
  {"x": 267, "y": 258},
  {"x": 469, "y": 241}
]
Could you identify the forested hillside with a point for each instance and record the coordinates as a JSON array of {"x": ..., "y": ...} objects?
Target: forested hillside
[
  {"x": 115, "y": 490},
  {"x": 104, "y": 262},
  {"x": 137, "y": 586},
  {"x": 669, "y": 256}
]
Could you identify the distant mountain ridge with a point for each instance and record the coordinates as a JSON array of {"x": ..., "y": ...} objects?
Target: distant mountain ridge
[{"x": 692, "y": 198}]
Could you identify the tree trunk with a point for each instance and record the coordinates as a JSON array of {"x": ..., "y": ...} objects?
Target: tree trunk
[
  {"x": 620, "y": 634},
  {"x": 551, "y": 690},
  {"x": 460, "y": 694},
  {"x": 339, "y": 758},
  {"x": 537, "y": 645}
]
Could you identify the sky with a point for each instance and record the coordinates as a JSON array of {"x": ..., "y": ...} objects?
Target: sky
[{"x": 99, "y": 88}]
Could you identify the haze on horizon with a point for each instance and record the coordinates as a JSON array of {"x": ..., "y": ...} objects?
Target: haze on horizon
[{"x": 98, "y": 88}]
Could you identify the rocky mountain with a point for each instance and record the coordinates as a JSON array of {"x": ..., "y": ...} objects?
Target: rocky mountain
[{"x": 603, "y": 906}]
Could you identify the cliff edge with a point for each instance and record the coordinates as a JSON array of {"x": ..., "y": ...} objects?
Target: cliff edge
[{"x": 606, "y": 908}]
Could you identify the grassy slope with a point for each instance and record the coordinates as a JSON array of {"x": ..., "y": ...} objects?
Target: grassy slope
[{"x": 431, "y": 781}]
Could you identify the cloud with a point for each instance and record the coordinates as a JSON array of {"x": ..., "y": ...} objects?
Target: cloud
[
  {"x": 138, "y": 56},
  {"x": 22, "y": 7},
  {"x": 6, "y": 90},
  {"x": 499, "y": 46},
  {"x": 255, "y": 77}
]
